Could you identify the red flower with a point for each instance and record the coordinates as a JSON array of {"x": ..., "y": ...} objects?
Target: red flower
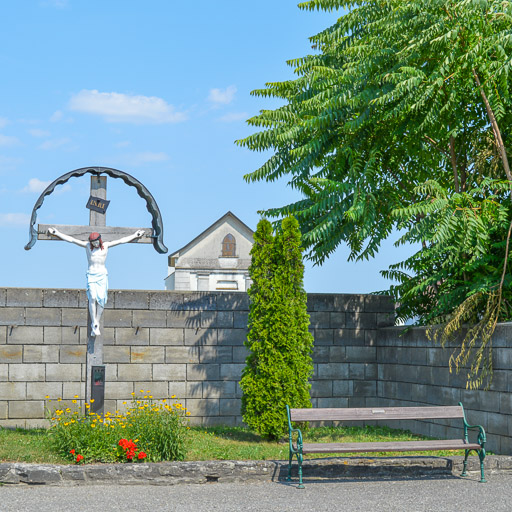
[
  {"x": 72, "y": 451},
  {"x": 130, "y": 455},
  {"x": 79, "y": 458},
  {"x": 142, "y": 455}
]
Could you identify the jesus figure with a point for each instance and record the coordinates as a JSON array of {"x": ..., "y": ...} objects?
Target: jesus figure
[{"x": 97, "y": 276}]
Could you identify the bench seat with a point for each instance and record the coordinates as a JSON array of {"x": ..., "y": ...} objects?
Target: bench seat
[{"x": 390, "y": 446}]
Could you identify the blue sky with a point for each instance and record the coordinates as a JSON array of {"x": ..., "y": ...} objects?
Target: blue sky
[{"x": 160, "y": 90}]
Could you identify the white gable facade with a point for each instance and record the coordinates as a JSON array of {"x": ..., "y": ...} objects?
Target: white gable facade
[{"x": 218, "y": 259}]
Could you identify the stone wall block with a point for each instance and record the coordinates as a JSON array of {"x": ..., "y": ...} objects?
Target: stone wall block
[
  {"x": 60, "y": 298},
  {"x": 370, "y": 371},
  {"x": 135, "y": 372},
  {"x": 216, "y": 354},
  {"x": 506, "y": 404},
  {"x": 3, "y": 297},
  {"x": 319, "y": 319},
  {"x": 240, "y": 354},
  {"x": 361, "y": 354},
  {"x": 43, "y": 316},
  {"x": 357, "y": 320},
  {"x": 24, "y": 297},
  {"x": 119, "y": 390},
  {"x": 142, "y": 354},
  {"x": 498, "y": 424},
  {"x": 337, "y": 320},
  {"x": 28, "y": 409},
  {"x": 348, "y": 302},
  {"x": 3, "y": 410},
  {"x": 3, "y": 335},
  {"x": 370, "y": 337},
  {"x": 72, "y": 354},
  {"x": 231, "y": 301},
  {"x": 231, "y": 336},
  {"x": 334, "y": 402},
  {"x": 323, "y": 336},
  {"x": 71, "y": 389},
  {"x": 240, "y": 319},
  {"x": 379, "y": 304},
  {"x": 59, "y": 335},
  {"x": 26, "y": 372},
  {"x": 74, "y": 316},
  {"x": 332, "y": 371},
  {"x": 202, "y": 372},
  {"x": 63, "y": 372},
  {"x": 169, "y": 372},
  {"x": 39, "y": 390},
  {"x": 41, "y": 353},
  {"x": 25, "y": 335},
  {"x": 132, "y": 336},
  {"x": 116, "y": 354},
  {"x": 321, "y": 388},
  {"x": 182, "y": 354},
  {"x": 439, "y": 376},
  {"x": 117, "y": 318},
  {"x": 199, "y": 301},
  {"x": 342, "y": 388},
  {"x": 229, "y": 407},
  {"x": 131, "y": 299},
  {"x": 142, "y": 318},
  {"x": 220, "y": 389},
  {"x": 4, "y": 372},
  {"x": 356, "y": 371},
  {"x": 346, "y": 337},
  {"x": 12, "y": 316},
  {"x": 202, "y": 407},
  {"x": 502, "y": 358},
  {"x": 231, "y": 371},
  {"x": 337, "y": 355},
  {"x": 167, "y": 300},
  {"x": 158, "y": 390},
  {"x": 11, "y": 353},
  {"x": 193, "y": 390},
  {"x": 13, "y": 391},
  {"x": 190, "y": 319},
  {"x": 365, "y": 388},
  {"x": 385, "y": 319},
  {"x": 198, "y": 337},
  {"x": 321, "y": 354},
  {"x": 168, "y": 336}
]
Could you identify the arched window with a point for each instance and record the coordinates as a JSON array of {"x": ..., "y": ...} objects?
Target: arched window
[{"x": 229, "y": 246}]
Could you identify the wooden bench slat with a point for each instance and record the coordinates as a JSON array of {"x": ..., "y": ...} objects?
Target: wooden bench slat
[
  {"x": 390, "y": 446},
  {"x": 376, "y": 413}
]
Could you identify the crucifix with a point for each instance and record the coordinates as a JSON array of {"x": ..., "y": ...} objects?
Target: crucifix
[{"x": 96, "y": 238}]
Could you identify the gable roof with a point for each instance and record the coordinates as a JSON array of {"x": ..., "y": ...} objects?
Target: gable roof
[{"x": 210, "y": 229}]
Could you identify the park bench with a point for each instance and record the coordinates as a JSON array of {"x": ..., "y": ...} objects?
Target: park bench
[{"x": 299, "y": 448}]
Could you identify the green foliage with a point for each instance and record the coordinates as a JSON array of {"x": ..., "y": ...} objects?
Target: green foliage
[
  {"x": 401, "y": 120},
  {"x": 157, "y": 430},
  {"x": 279, "y": 364}
]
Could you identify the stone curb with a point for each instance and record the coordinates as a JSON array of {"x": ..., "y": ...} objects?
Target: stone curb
[{"x": 172, "y": 473}]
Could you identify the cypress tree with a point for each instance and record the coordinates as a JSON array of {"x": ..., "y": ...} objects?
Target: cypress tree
[{"x": 279, "y": 363}]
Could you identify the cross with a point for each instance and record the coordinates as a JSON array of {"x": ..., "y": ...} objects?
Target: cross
[{"x": 97, "y": 222}]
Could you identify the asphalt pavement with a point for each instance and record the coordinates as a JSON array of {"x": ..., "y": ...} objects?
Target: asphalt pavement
[{"x": 442, "y": 493}]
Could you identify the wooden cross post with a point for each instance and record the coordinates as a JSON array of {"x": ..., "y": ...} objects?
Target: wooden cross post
[{"x": 97, "y": 222}]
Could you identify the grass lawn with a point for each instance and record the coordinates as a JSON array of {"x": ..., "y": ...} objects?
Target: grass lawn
[{"x": 213, "y": 443}]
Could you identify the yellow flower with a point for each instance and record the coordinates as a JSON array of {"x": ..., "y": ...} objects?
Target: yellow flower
[
  {"x": 141, "y": 390},
  {"x": 59, "y": 399},
  {"x": 68, "y": 409},
  {"x": 92, "y": 400},
  {"x": 124, "y": 403},
  {"x": 76, "y": 396},
  {"x": 47, "y": 396},
  {"x": 66, "y": 424},
  {"x": 73, "y": 401},
  {"x": 87, "y": 406},
  {"x": 93, "y": 425},
  {"x": 173, "y": 396},
  {"x": 132, "y": 393},
  {"x": 150, "y": 396}
]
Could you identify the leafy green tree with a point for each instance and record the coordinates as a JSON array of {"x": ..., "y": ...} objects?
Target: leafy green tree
[
  {"x": 279, "y": 363},
  {"x": 401, "y": 120}
]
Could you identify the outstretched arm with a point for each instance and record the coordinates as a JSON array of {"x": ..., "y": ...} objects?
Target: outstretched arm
[
  {"x": 126, "y": 239},
  {"x": 67, "y": 238}
]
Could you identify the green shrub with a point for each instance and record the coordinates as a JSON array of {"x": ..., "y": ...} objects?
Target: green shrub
[
  {"x": 279, "y": 364},
  {"x": 153, "y": 430}
]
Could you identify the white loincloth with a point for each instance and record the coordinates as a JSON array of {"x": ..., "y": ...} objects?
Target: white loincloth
[{"x": 97, "y": 287}]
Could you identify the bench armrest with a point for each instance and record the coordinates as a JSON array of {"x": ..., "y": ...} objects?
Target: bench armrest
[
  {"x": 298, "y": 448},
  {"x": 481, "y": 439}
]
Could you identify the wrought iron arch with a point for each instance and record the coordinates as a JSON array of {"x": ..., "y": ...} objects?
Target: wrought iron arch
[{"x": 151, "y": 205}]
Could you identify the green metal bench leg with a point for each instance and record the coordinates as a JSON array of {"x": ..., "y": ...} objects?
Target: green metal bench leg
[
  {"x": 290, "y": 458},
  {"x": 481, "y": 455},
  {"x": 299, "y": 459},
  {"x": 465, "y": 464}
]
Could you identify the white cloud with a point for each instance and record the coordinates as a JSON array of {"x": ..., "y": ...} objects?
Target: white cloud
[
  {"x": 54, "y": 143},
  {"x": 7, "y": 140},
  {"x": 14, "y": 219},
  {"x": 116, "y": 107},
  {"x": 37, "y": 132},
  {"x": 8, "y": 163},
  {"x": 234, "y": 116},
  {"x": 36, "y": 186},
  {"x": 3, "y": 122},
  {"x": 123, "y": 144},
  {"x": 222, "y": 96},
  {"x": 57, "y": 116}
]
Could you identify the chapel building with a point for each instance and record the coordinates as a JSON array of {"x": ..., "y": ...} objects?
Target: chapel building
[{"x": 217, "y": 259}]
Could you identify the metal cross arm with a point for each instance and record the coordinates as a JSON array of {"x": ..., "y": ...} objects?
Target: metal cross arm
[{"x": 108, "y": 233}]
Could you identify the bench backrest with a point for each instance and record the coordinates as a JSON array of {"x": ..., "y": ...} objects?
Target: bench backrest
[{"x": 377, "y": 413}]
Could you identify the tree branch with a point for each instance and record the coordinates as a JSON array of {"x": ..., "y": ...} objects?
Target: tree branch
[
  {"x": 495, "y": 128},
  {"x": 434, "y": 144}
]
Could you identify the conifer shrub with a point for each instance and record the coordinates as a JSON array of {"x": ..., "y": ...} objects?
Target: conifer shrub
[{"x": 279, "y": 364}]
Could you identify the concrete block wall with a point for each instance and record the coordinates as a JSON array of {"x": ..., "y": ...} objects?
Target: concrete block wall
[
  {"x": 188, "y": 344},
  {"x": 414, "y": 371}
]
